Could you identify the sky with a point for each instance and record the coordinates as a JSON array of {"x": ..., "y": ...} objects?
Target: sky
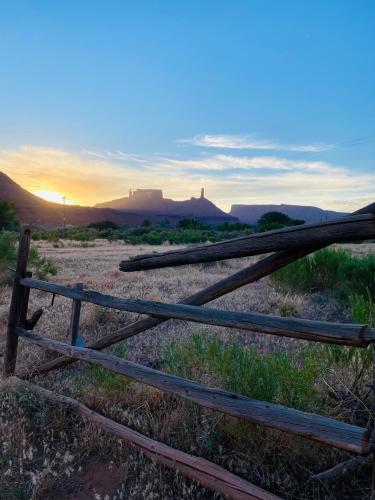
[{"x": 258, "y": 101}]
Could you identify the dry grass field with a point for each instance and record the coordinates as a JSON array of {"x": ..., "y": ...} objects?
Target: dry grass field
[{"x": 47, "y": 453}]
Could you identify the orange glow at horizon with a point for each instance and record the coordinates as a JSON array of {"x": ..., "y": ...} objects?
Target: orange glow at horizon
[{"x": 52, "y": 196}]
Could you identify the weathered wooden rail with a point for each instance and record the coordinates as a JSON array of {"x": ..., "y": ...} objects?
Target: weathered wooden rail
[{"x": 289, "y": 245}]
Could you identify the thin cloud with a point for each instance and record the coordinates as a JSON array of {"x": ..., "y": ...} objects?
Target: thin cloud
[
  {"x": 231, "y": 163},
  {"x": 249, "y": 141}
]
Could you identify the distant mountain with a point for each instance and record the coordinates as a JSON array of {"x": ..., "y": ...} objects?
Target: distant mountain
[
  {"x": 34, "y": 210},
  {"x": 152, "y": 202},
  {"x": 252, "y": 213},
  {"x": 144, "y": 204}
]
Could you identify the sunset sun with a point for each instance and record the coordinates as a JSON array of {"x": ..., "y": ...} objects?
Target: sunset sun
[{"x": 52, "y": 196}]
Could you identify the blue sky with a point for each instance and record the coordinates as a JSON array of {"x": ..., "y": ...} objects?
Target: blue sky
[{"x": 258, "y": 101}]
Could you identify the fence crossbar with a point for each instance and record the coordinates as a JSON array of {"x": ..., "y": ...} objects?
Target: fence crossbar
[
  {"x": 352, "y": 228},
  {"x": 309, "y": 425},
  {"x": 317, "y": 331}
]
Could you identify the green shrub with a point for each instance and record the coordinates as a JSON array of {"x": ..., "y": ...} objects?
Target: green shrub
[
  {"x": 276, "y": 378},
  {"x": 357, "y": 361},
  {"x": 276, "y": 220},
  {"x": 351, "y": 279},
  {"x": 82, "y": 234},
  {"x": 40, "y": 265},
  {"x": 8, "y": 216},
  {"x": 192, "y": 224},
  {"x": 362, "y": 309},
  {"x": 228, "y": 227},
  {"x": 330, "y": 269},
  {"x": 105, "y": 379},
  {"x": 8, "y": 248},
  {"x": 105, "y": 224}
]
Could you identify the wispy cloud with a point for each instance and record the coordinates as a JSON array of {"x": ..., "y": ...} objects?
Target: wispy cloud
[
  {"x": 90, "y": 177},
  {"x": 231, "y": 163},
  {"x": 251, "y": 141}
]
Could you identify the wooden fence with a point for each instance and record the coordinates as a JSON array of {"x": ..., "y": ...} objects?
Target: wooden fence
[{"x": 288, "y": 245}]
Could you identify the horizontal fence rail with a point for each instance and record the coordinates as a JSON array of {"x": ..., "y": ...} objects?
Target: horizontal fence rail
[
  {"x": 317, "y": 331},
  {"x": 315, "y": 427},
  {"x": 352, "y": 228},
  {"x": 199, "y": 469}
]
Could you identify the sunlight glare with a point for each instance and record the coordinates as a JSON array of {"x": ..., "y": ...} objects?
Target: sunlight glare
[{"x": 52, "y": 196}]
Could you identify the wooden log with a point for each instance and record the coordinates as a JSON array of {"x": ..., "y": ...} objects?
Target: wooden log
[
  {"x": 25, "y": 301},
  {"x": 368, "y": 209},
  {"x": 30, "y": 323},
  {"x": 317, "y": 428},
  {"x": 18, "y": 304},
  {"x": 75, "y": 317},
  {"x": 317, "y": 331},
  {"x": 198, "y": 469},
  {"x": 245, "y": 276},
  {"x": 342, "y": 468},
  {"x": 352, "y": 228}
]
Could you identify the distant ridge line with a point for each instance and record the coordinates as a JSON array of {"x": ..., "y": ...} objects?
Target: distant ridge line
[{"x": 310, "y": 214}]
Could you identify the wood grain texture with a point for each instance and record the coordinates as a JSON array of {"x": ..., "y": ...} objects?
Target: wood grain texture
[
  {"x": 18, "y": 304},
  {"x": 322, "y": 429},
  {"x": 341, "y": 469},
  {"x": 317, "y": 331},
  {"x": 352, "y": 228},
  {"x": 75, "y": 317},
  {"x": 198, "y": 469}
]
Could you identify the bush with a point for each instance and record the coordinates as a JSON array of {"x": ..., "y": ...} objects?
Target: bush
[
  {"x": 8, "y": 248},
  {"x": 330, "y": 269},
  {"x": 41, "y": 266},
  {"x": 358, "y": 361},
  {"x": 105, "y": 224},
  {"x": 192, "y": 224},
  {"x": 274, "y": 377},
  {"x": 351, "y": 279},
  {"x": 234, "y": 226},
  {"x": 276, "y": 220},
  {"x": 82, "y": 234},
  {"x": 8, "y": 216},
  {"x": 105, "y": 379},
  {"x": 362, "y": 309}
]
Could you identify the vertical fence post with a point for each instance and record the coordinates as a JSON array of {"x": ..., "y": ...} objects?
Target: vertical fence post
[
  {"x": 25, "y": 301},
  {"x": 18, "y": 305},
  {"x": 75, "y": 316}
]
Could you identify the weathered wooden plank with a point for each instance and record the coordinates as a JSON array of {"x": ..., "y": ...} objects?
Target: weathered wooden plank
[
  {"x": 314, "y": 427},
  {"x": 18, "y": 304},
  {"x": 341, "y": 469},
  {"x": 317, "y": 331},
  {"x": 352, "y": 228},
  {"x": 75, "y": 317},
  {"x": 245, "y": 276},
  {"x": 198, "y": 469},
  {"x": 368, "y": 209}
]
